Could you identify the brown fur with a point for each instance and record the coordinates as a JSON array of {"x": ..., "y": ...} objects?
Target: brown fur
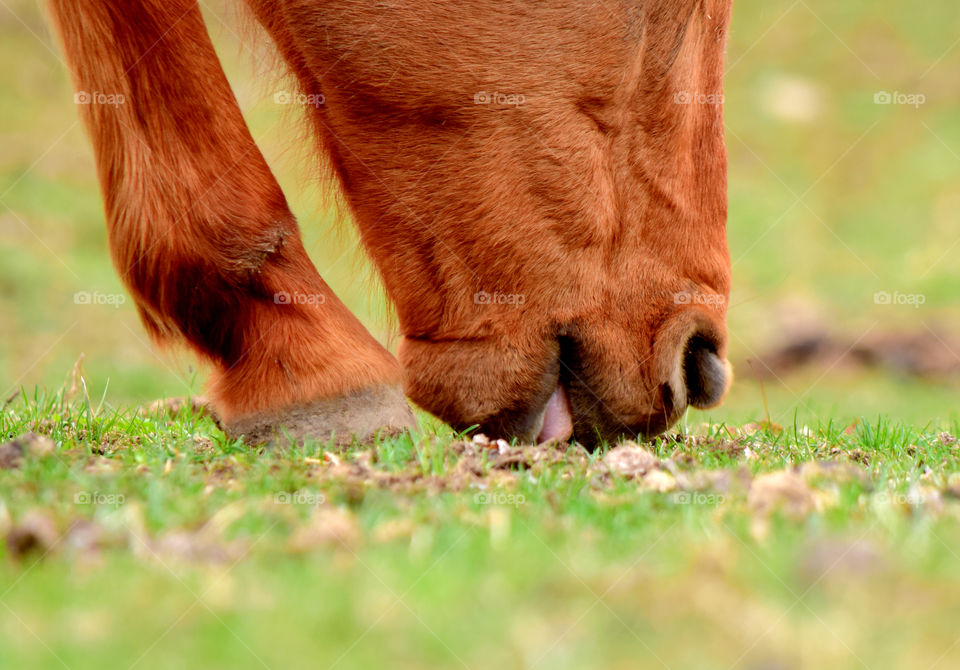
[{"x": 598, "y": 200}]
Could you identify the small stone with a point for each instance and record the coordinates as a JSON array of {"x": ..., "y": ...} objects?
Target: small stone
[
  {"x": 659, "y": 481},
  {"x": 630, "y": 460},
  {"x": 952, "y": 489},
  {"x": 326, "y": 529},
  {"x": 36, "y": 532},
  {"x": 841, "y": 559},
  {"x": 11, "y": 455},
  {"x": 29, "y": 444},
  {"x": 394, "y": 529},
  {"x": 926, "y": 498},
  {"x": 836, "y": 471},
  {"x": 783, "y": 490}
]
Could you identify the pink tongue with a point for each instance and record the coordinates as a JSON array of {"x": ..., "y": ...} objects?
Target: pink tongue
[{"x": 557, "y": 422}]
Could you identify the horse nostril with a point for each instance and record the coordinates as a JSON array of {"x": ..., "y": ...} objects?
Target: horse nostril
[
  {"x": 705, "y": 374},
  {"x": 668, "y": 400}
]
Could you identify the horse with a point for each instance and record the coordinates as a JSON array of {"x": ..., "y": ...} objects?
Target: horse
[{"x": 541, "y": 187}]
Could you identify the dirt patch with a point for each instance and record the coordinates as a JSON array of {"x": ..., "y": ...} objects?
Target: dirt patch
[{"x": 926, "y": 354}]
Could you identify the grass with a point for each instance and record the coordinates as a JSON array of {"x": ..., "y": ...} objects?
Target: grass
[
  {"x": 877, "y": 213},
  {"x": 136, "y": 539},
  {"x": 159, "y": 543}
]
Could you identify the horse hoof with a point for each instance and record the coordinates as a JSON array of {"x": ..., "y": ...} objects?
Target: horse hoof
[{"x": 357, "y": 416}]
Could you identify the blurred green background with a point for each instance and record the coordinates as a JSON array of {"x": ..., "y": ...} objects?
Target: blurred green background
[{"x": 833, "y": 198}]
